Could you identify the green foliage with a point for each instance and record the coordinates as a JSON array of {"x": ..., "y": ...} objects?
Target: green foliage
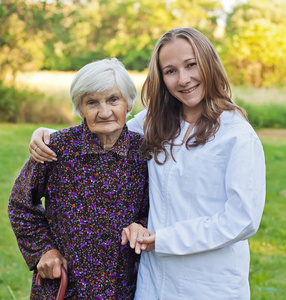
[
  {"x": 10, "y": 104},
  {"x": 65, "y": 35},
  {"x": 57, "y": 36},
  {"x": 255, "y": 45},
  {"x": 20, "y": 42},
  {"x": 31, "y": 107},
  {"x": 141, "y": 23},
  {"x": 265, "y": 115}
]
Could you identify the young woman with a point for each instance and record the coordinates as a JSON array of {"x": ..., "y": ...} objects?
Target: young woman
[{"x": 206, "y": 176}]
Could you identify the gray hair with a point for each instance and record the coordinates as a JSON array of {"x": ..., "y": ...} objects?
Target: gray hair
[{"x": 101, "y": 76}]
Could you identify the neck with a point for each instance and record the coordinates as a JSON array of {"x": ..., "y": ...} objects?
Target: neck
[
  {"x": 191, "y": 119},
  {"x": 192, "y": 114},
  {"x": 108, "y": 140}
]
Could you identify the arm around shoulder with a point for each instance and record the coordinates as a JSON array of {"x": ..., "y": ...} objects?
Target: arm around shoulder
[{"x": 38, "y": 148}]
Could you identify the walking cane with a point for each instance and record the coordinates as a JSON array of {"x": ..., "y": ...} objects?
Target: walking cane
[{"x": 63, "y": 285}]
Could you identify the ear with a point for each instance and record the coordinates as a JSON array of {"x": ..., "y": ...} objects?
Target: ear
[
  {"x": 129, "y": 108},
  {"x": 81, "y": 114}
]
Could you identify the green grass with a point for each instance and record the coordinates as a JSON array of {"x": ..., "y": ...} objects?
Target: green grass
[
  {"x": 268, "y": 250},
  {"x": 15, "y": 278}
]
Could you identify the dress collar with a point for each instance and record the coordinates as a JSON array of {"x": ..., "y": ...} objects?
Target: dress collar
[{"x": 91, "y": 143}]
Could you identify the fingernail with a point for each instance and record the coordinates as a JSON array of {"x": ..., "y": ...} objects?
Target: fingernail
[
  {"x": 47, "y": 142},
  {"x": 139, "y": 240}
]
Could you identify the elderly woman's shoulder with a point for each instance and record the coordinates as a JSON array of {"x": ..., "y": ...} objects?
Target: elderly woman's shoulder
[
  {"x": 66, "y": 137},
  {"x": 135, "y": 138},
  {"x": 68, "y": 132}
]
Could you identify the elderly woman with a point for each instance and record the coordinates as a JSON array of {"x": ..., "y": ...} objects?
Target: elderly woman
[{"x": 94, "y": 189}]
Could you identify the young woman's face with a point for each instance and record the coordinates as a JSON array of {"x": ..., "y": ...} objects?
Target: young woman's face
[{"x": 181, "y": 76}]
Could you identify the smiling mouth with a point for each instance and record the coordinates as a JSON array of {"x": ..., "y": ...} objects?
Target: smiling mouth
[{"x": 189, "y": 90}]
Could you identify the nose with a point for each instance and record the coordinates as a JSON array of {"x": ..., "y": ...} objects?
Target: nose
[
  {"x": 184, "y": 78},
  {"x": 104, "y": 111}
]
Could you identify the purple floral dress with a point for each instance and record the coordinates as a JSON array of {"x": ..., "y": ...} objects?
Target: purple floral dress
[{"x": 89, "y": 195}]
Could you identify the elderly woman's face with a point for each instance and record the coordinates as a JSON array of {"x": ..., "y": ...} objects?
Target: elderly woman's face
[{"x": 105, "y": 112}]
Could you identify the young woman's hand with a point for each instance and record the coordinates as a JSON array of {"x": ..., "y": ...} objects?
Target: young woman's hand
[
  {"x": 131, "y": 234},
  {"x": 38, "y": 149},
  {"x": 50, "y": 263}
]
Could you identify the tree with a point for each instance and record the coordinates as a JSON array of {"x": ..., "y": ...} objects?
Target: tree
[
  {"x": 65, "y": 35},
  {"x": 128, "y": 29},
  {"x": 20, "y": 43},
  {"x": 255, "y": 45},
  {"x": 135, "y": 26}
]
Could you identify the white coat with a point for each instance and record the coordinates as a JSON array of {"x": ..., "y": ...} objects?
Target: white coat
[{"x": 203, "y": 207}]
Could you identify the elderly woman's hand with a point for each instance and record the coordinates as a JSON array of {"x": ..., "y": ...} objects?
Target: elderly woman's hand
[
  {"x": 50, "y": 263},
  {"x": 38, "y": 149},
  {"x": 132, "y": 233},
  {"x": 148, "y": 240}
]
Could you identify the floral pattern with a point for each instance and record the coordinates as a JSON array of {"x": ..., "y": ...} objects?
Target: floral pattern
[{"x": 79, "y": 205}]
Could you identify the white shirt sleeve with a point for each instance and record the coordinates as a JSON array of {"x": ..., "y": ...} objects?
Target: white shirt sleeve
[{"x": 243, "y": 208}]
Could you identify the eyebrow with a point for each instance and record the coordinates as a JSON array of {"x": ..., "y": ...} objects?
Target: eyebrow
[
  {"x": 91, "y": 97},
  {"x": 117, "y": 95},
  {"x": 114, "y": 95},
  {"x": 185, "y": 61}
]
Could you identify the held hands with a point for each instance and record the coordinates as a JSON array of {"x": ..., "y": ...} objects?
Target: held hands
[
  {"x": 38, "y": 149},
  {"x": 139, "y": 238},
  {"x": 50, "y": 263},
  {"x": 148, "y": 241}
]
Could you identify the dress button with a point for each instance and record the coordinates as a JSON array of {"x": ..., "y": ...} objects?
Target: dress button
[
  {"x": 111, "y": 162},
  {"x": 104, "y": 236}
]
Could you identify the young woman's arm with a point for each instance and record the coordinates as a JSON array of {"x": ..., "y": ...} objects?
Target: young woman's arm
[{"x": 38, "y": 148}]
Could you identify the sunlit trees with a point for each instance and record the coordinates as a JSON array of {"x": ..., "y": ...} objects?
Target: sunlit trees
[
  {"x": 128, "y": 29},
  {"x": 255, "y": 45},
  {"x": 65, "y": 35},
  {"x": 141, "y": 23},
  {"x": 20, "y": 43}
]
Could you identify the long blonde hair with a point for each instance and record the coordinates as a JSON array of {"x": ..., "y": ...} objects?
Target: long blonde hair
[{"x": 164, "y": 113}]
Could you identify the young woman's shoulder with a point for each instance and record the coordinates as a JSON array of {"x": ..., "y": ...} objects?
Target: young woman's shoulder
[{"x": 233, "y": 123}]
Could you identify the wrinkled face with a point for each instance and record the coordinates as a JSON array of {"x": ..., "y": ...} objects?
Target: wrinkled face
[
  {"x": 105, "y": 112},
  {"x": 181, "y": 76}
]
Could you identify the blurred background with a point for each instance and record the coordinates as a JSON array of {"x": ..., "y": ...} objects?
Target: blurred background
[{"x": 43, "y": 44}]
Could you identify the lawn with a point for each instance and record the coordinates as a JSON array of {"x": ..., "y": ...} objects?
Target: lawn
[
  {"x": 268, "y": 250},
  {"x": 15, "y": 278}
]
